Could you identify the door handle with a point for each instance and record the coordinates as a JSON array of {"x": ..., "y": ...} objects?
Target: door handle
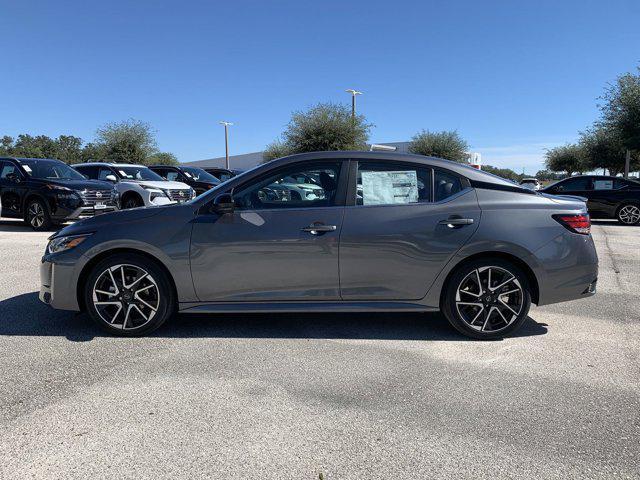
[
  {"x": 316, "y": 228},
  {"x": 456, "y": 222}
]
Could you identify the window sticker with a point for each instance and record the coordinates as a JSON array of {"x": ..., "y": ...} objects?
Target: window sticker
[
  {"x": 27, "y": 168},
  {"x": 123, "y": 173},
  {"x": 188, "y": 175},
  {"x": 603, "y": 184},
  {"x": 384, "y": 188}
]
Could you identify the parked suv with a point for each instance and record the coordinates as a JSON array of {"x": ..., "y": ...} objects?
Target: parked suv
[
  {"x": 424, "y": 234},
  {"x": 196, "y": 178},
  {"x": 607, "y": 197},
  {"x": 222, "y": 174},
  {"x": 137, "y": 185},
  {"x": 47, "y": 192}
]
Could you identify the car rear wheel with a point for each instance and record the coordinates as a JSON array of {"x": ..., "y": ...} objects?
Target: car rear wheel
[
  {"x": 37, "y": 215},
  {"x": 487, "y": 298},
  {"x": 129, "y": 295},
  {"x": 629, "y": 214}
]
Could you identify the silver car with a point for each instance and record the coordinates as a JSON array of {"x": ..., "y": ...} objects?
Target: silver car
[{"x": 389, "y": 232}]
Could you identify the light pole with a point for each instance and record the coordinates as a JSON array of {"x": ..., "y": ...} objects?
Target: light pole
[
  {"x": 353, "y": 100},
  {"x": 226, "y": 143}
]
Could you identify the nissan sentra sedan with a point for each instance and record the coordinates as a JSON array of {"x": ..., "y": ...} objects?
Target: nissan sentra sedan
[{"x": 388, "y": 233}]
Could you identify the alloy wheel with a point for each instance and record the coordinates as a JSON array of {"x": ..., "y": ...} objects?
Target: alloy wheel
[
  {"x": 36, "y": 215},
  {"x": 489, "y": 299},
  {"x": 126, "y": 296},
  {"x": 629, "y": 214}
]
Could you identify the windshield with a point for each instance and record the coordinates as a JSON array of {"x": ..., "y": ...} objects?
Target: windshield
[
  {"x": 138, "y": 173},
  {"x": 50, "y": 169},
  {"x": 199, "y": 175}
]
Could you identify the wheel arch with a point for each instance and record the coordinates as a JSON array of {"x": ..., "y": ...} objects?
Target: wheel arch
[
  {"x": 34, "y": 195},
  {"x": 129, "y": 194},
  {"x": 88, "y": 267},
  {"x": 518, "y": 262}
]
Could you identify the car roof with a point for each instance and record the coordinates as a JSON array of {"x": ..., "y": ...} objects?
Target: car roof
[
  {"x": 18, "y": 159},
  {"x": 164, "y": 166},
  {"x": 456, "y": 167},
  {"x": 108, "y": 164}
]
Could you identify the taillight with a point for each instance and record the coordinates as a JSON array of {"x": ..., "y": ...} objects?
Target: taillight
[{"x": 576, "y": 223}]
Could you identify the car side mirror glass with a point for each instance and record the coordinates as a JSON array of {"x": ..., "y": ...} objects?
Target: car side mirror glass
[
  {"x": 111, "y": 178},
  {"x": 223, "y": 204}
]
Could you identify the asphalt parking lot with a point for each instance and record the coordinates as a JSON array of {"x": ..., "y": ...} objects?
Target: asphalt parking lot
[{"x": 351, "y": 396}]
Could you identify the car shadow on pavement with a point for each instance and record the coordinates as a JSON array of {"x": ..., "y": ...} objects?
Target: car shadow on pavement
[
  {"x": 25, "y": 315},
  {"x": 21, "y": 226}
]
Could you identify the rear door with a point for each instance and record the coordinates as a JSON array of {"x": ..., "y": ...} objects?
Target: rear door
[{"x": 402, "y": 223}]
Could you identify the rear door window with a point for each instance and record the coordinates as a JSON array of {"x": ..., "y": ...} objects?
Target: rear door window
[
  {"x": 446, "y": 184},
  {"x": 388, "y": 183},
  {"x": 575, "y": 184}
]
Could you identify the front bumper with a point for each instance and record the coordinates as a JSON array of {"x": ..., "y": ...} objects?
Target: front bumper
[{"x": 57, "y": 285}]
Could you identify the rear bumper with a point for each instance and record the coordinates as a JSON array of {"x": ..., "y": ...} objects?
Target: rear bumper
[
  {"x": 57, "y": 286},
  {"x": 568, "y": 269}
]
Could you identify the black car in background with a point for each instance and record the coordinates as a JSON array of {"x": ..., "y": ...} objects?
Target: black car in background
[
  {"x": 222, "y": 174},
  {"x": 47, "y": 192},
  {"x": 196, "y": 178},
  {"x": 607, "y": 197}
]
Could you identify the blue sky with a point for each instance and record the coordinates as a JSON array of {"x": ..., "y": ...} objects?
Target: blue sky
[{"x": 513, "y": 77}]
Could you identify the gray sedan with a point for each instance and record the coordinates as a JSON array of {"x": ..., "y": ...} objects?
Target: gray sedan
[{"x": 381, "y": 232}]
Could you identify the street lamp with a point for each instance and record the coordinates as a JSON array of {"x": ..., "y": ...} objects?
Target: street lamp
[
  {"x": 226, "y": 142},
  {"x": 353, "y": 100}
]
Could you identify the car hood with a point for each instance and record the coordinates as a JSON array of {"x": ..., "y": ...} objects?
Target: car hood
[
  {"x": 77, "y": 184},
  {"x": 109, "y": 219},
  {"x": 163, "y": 185}
]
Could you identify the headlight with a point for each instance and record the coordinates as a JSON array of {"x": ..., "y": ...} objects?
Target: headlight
[
  {"x": 193, "y": 193},
  {"x": 60, "y": 244}
]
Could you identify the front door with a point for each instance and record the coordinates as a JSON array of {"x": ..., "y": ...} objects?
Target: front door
[
  {"x": 280, "y": 243},
  {"x": 395, "y": 237}
]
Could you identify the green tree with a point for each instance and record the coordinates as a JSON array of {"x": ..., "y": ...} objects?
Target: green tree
[
  {"x": 503, "y": 172},
  {"x": 162, "y": 158},
  {"x": 326, "y": 126},
  {"x": 621, "y": 109},
  {"x": 40, "y": 146},
  {"x": 274, "y": 150},
  {"x": 6, "y": 146},
  {"x": 448, "y": 145},
  {"x": 569, "y": 158},
  {"x": 130, "y": 141},
  {"x": 604, "y": 147},
  {"x": 93, "y": 152},
  {"x": 69, "y": 149},
  {"x": 547, "y": 175}
]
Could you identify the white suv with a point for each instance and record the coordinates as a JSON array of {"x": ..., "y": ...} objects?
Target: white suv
[{"x": 137, "y": 185}]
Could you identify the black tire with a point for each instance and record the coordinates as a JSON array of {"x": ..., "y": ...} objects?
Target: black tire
[
  {"x": 132, "y": 201},
  {"x": 505, "y": 317},
  {"x": 37, "y": 215},
  {"x": 112, "y": 320},
  {"x": 628, "y": 214}
]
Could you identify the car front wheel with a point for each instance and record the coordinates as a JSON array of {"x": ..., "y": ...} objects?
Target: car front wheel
[
  {"x": 487, "y": 298},
  {"x": 629, "y": 214},
  {"x": 129, "y": 295},
  {"x": 37, "y": 215}
]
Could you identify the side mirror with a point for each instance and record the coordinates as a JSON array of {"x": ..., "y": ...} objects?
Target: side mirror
[
  {"x": 13, "y": 177},
  {"x": 111, "y": 177},
  {"x": 223, "y": 204}
]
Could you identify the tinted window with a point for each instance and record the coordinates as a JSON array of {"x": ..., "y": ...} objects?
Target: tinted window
[
  {"x": 446, "y": 184},
  {"x": 90, "y": 172},
  {"x": 199, "y": 175},
  {"x": 137, "y": 173},
  {"x": 104, "y": 172},
  {"x": 7, "y": 169},
  {"x": 392, "y": 184},
  {"x": 171, "y": 175},
  {"x": 283, "y": 190},
  {"x": 50, "y": 169},
  {"x": 577, "y": 183}
]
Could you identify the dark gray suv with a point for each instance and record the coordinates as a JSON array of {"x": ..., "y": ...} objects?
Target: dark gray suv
[{"x": 331, "y": 231}]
